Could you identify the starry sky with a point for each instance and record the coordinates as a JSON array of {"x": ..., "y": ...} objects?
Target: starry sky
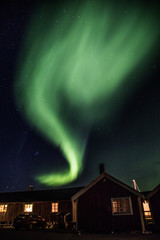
[{"x": 126, "y": 139}]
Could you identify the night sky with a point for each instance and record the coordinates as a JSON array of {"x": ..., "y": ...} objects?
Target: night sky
[{"x": 120, "y": 130}]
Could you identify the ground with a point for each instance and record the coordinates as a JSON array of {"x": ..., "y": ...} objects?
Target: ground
[{"x": 50, "y": 235}]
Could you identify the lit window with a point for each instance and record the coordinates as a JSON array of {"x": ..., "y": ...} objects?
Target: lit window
[
  {"x": 55, "y": 207},
  {"x": 147, "y": 211},
  {"x": 28, "y": 208},
  {"x": 3, "y": 208},
  {"x": 121, "y": 206}
]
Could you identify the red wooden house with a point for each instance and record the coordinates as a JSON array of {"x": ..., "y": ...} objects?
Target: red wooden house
[
  {"x": 108, "y": 205},
  {"x": 50, "y": 204}
]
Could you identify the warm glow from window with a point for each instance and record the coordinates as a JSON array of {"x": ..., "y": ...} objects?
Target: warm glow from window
[
  {"x": 146, "y": 206},
  {"x": 3, "y": 208},
  {"x": 28, "y": 207},
  {"x": 54, "y": 207},
  {"x": 147, "y": 211},
  {"x": 147, "y": 214},
  {"x": 121, "y": 206}
]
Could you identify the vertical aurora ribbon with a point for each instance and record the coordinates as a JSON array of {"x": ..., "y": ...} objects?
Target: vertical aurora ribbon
[{"x": 72, "y": 65}]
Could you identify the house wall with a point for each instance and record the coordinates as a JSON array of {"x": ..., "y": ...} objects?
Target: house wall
[
  {"x": 43, "y": 209},
  {"x": 155, "y": 208},
  {"x": 94, "y": 209},
  {"x": 13, "y": 209}
]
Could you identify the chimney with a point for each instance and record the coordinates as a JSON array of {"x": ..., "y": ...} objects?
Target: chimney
[
  {"x": 101, "y": 168},
  {"x": 30, "y": 188}
]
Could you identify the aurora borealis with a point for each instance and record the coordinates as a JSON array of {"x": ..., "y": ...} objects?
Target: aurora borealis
[
  {"x": 79, "y": 86},
  {"x": 70, "y": 72}
]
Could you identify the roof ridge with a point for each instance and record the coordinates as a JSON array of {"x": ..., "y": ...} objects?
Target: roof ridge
[{"x": 102, "y": 175}]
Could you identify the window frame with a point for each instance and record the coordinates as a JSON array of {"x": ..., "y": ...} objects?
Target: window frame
[
  {"x": 55, "y": 207},
  {"x": 148, "y": 216},
  {"x": 29, "y": 205},
  {"x": 122, "y": 213},
  {"x": 4, "y": 208}
]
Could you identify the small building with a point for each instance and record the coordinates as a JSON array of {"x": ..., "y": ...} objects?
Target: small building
[
  {"x": 108, "y": 205},
  {"x": 50, "y": 204},
  {"x": 152, "y": 212}
]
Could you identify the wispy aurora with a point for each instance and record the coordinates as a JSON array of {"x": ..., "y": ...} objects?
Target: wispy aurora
[{"x": 72, "y": 66}]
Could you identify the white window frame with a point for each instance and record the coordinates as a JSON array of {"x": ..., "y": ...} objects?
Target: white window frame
[{"x": 122, "y": 213}]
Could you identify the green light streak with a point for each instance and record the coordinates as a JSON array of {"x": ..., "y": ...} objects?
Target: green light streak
[{"x": 84, "y": 58}]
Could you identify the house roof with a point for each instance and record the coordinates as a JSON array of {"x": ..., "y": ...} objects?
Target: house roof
[
  {"x": 154, "y": 191},
  {"x": 145, "y": 193},
  {"x": 105, "y": 175},
  {"x": 41, "y": 195}
]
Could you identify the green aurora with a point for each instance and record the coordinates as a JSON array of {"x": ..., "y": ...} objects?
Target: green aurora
[{"x": 72, "y": 66}]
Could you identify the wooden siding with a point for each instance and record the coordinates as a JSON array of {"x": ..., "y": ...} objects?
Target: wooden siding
[
  {"x": 43, "y": 209},
  {"x": 155, "y": 208},
  {"x": 13, "y": 209},
  {"x": 95, "y": 210}
]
